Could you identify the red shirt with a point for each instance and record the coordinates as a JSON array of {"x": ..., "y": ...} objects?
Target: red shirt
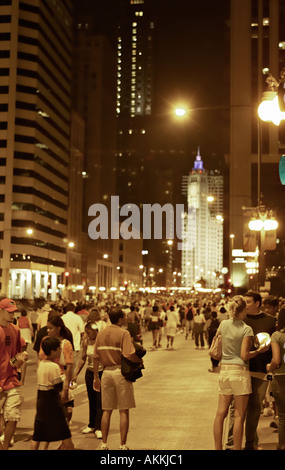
[{"x": 10, "y": 345}]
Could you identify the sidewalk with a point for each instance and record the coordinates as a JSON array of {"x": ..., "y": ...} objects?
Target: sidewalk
[{"x": 176, "y": 402}]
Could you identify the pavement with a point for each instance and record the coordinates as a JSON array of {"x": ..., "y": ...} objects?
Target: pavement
[{"x": 176, "y": 402}]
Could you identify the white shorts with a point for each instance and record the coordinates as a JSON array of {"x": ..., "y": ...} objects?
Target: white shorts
[
  {"x": 234, "y": 380},
  {"x": 117, "y": 392}
]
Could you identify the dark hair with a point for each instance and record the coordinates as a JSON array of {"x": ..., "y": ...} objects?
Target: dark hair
[
  {"x": 254, "y": 295},
  {"x": 69, "y": 307},
  {"x": 94, "y": 315},
  {"x": 50, "y": 344},
  {"x": 23, "y": 312},
  {"x": 155, "y": 308},
  {"x": 271, "y": 300},
  {"x": 214, "y": 314},
  {"x": 90, "y": 325},
  {"x": 115, "y": 314},
  {"x": 53, "y": 313},
  {"x": 281, "y": 319},
  {"x": 56, "y": 320}
]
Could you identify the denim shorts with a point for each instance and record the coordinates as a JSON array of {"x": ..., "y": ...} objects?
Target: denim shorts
[
  {"x": 234, "y": 380},
  {"x": 11, "y": 404}
]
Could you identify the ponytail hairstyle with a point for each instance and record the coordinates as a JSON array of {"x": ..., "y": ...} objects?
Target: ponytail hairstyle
[{"x": 236, "y": 306}]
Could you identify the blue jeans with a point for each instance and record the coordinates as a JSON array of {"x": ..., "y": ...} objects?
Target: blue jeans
[{"x": 278, "y": 392}]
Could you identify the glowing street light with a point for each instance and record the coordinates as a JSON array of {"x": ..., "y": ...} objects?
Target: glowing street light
[
  {"x": 269, "y": 109},
  {"x": 180, "y": 112}
]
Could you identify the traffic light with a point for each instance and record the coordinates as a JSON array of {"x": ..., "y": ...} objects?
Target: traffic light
[
  {"x": 66, "y": 275},
  {"x": 228, "y": 285}
]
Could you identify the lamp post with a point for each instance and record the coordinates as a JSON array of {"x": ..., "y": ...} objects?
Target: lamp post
[
  {"x": 232, "y": 238},
  {"x": 262, "y": 223},
  {"x": 271, "y": 109}
]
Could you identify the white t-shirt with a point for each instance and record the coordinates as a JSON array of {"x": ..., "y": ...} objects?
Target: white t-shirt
[
  {"x": 48, "y": 375},
  {"x": 76, "y": 325}
]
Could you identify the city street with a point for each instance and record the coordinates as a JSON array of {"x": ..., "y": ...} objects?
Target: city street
[{"x": 176, "y": 403}]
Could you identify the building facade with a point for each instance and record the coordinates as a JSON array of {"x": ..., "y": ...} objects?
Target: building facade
[
  {"x": 35, "y": 84},
  {"x": 202, "y": 247},
  {"x": 94, "y": 99},
  {"x": 257, "y": 48},
  {"x": 135, "y": 50}
]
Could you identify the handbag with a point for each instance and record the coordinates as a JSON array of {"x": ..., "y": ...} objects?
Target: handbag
[{"x": 215, "y": 350}]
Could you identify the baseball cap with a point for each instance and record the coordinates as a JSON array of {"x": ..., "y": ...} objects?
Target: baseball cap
[{"x": 8, "y": 304}]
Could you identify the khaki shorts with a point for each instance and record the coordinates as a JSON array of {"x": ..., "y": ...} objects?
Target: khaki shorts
[
  {"x": 117, "y": 392},
  {"x": 11, "y": 404},
  {"x": 234, "y": 380}
]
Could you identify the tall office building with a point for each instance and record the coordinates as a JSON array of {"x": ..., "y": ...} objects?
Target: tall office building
[
  {"x": 202, "y": 248},
  {"x": 257, "y": 47},
  {"x": 94, "y": 98},
  {"x": 134, "y": 98},
  {"x": 35, "y": 84}
]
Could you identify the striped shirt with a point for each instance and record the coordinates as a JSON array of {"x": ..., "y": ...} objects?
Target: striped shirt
[{"x": 111, "y": 343}]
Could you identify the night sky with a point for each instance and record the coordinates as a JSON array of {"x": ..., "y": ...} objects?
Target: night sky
[{"x": 191, "y": 63}]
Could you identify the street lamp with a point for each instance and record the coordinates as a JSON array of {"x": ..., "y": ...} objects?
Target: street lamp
[
  {"x": 180, "y": 112},
  {"x": 262, "y": 222},
  {"x": 271, "y": 109}
]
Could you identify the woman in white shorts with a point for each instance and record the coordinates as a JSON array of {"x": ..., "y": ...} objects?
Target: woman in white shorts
[{"x": 234, "y": 378}]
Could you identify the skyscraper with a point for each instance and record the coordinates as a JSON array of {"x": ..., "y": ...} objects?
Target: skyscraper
[
  {"x": 35, "y": 84},
  {"x": 94, "y": 98},
  {"x": 134, "y": 98},
  {"x": 202, "y": 248}
]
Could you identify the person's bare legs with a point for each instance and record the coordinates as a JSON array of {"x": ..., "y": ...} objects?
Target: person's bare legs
[
  {"x": 10, "y": 428},
  {"x": 124, "y": 425},
  {"x": 105, "y": 424},
  {"x": 67, "y": 444},
  {"x": 240, "y": 410},
  {"x": 222, "y": 411}
]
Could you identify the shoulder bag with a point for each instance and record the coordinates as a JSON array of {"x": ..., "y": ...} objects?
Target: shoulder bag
[{"x": 215, "y": 350}]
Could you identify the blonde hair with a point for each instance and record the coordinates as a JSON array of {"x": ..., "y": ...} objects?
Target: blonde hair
[{"x": 236, "y": 306}]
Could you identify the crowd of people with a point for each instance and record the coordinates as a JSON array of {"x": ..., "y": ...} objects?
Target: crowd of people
[{"x": 70, "y": 335}]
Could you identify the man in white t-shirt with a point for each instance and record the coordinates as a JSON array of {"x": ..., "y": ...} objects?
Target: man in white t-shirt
[{"x": 76, "y": 325}]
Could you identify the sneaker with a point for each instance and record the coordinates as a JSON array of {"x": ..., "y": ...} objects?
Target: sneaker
[
  {"x": 104, "y": 447},
  {"x": 98, "y": 434},
  {"x": 88, "y": 430},
  {"x": 123, "y": 447}
]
